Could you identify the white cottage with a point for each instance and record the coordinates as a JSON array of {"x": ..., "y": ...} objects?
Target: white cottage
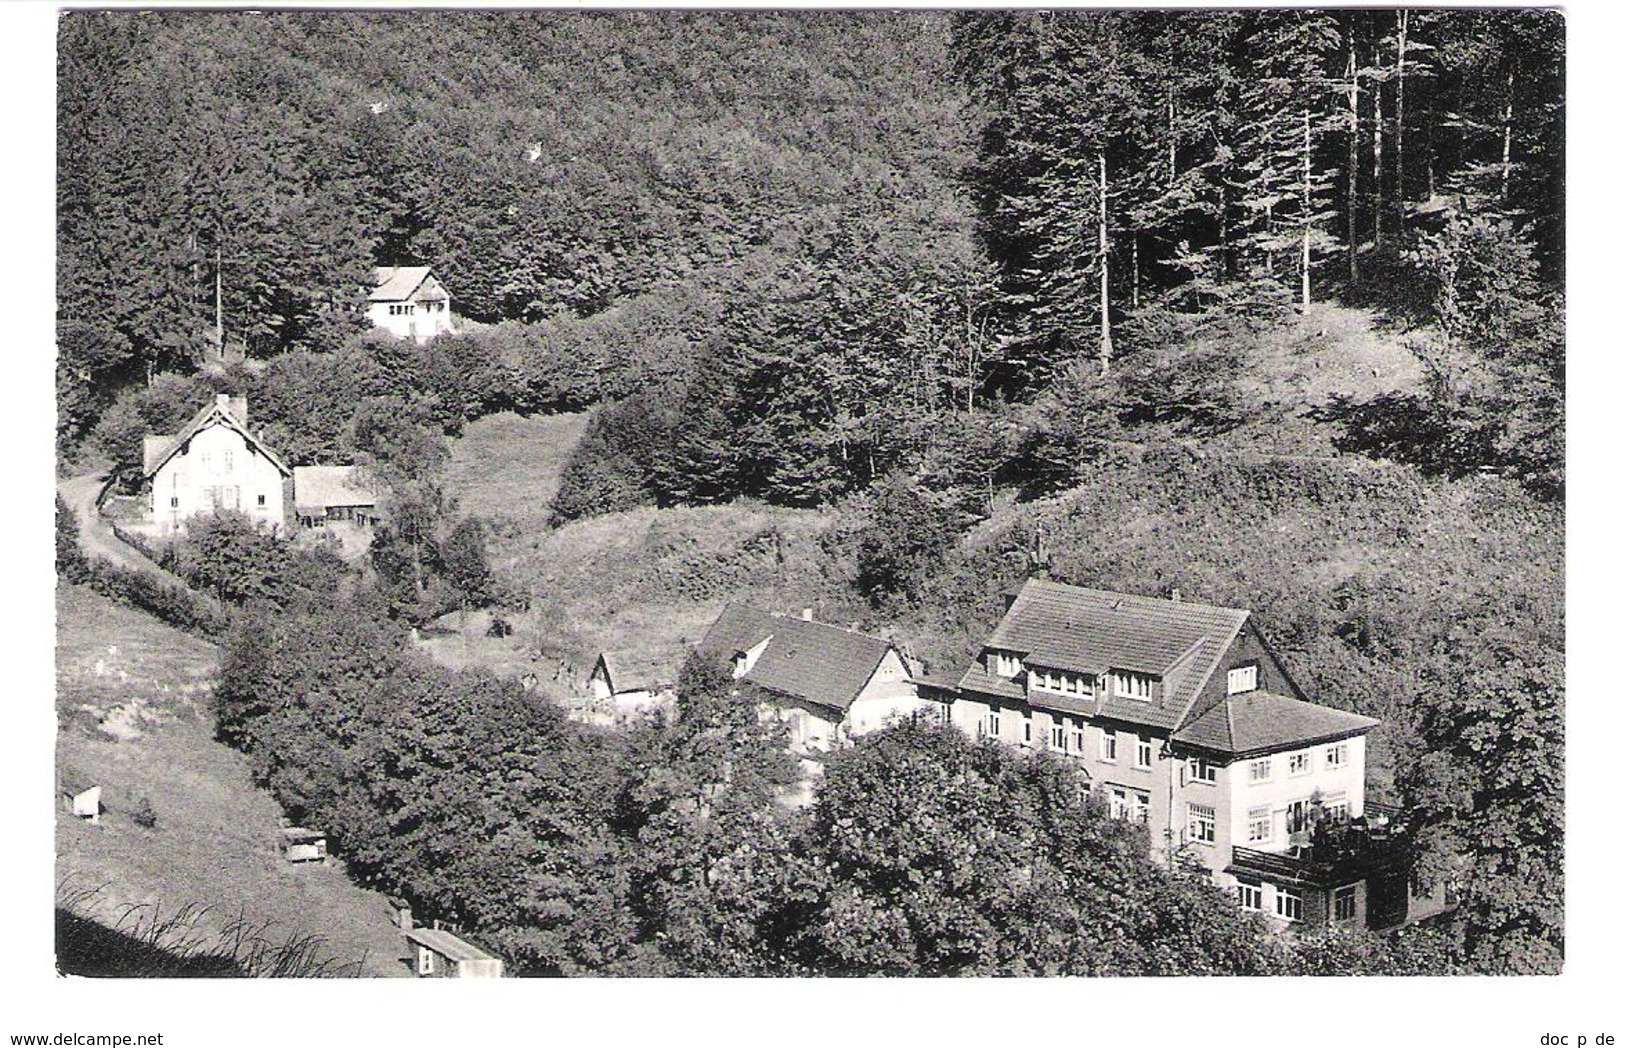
[
  {"x": 409, "y": 302},
  {"x": 214, "y": 463},
  {"x": 830, "y": 684}
]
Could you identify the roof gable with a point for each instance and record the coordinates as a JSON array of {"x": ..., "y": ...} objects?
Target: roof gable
[
  {"x": 397, "y": 283},
  {"x": 802, "y": 659},
  {"x": 217, "y": 413}
]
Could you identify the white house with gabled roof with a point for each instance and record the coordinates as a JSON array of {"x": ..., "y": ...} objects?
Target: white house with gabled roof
[
  {"x": 214, "y": 463},
  {"x": 409, "y": 302}
]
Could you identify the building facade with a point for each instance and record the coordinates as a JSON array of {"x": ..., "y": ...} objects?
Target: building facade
[
  {"x": 1183, "y": 719},
  {"x": 409, "y": 302},
  {"x": 214, "y": 463}
]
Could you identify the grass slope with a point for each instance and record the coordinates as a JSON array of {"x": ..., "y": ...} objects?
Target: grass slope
[
  {"x": 506, "y": 468},
  {"x": 132, "y": 700}
]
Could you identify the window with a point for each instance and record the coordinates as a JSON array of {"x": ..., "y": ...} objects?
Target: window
[
  {"x": 1298, "y": 764},
  {"x": 1133, "y": 805},
  {"x": 1242, "y": 678},
  {"x": 989, "y": 724},
  {"x": 1077, "y": 739},
  {"x": 1108, "y": 746},
  {"x": 174, "y": 502},
  {"x": 425, "y": 961},
  {"x": 1337, "y": 808},
  {"x": 1057, "y": 736},
  {"x": 1289, "y": 904},
  {"x": 1142, "y": 752},
  {"x": 1026, "y": 729},
  {"x": 1201, "y": 769},
  {"x": 225, "y": 460},
  {"x": 1200, "y": 823},
  {"x": 1337, "y": 756},
  {"x": 1343, "y": 904},
  {"x": 1071, "y": 683},
  {"x": 1131, "y": 686},
  {"x": 1249, "y": 896},
  {"x": 1297, "y": 817},
  {"x": 1258, "y": 825},
  {"x": 1259, "y": 771},
  {"x": 262, "y": 500},
  {"x": 1006, "y": 665}
]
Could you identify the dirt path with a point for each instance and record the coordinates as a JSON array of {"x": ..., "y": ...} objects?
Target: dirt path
[{"x": 95, "y": 534}]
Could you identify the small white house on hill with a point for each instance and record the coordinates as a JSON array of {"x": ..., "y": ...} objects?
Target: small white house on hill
[
  {"x": 214, "y": 463},
  {"x": 409, "y": 302},
  {"x": 830, "y": 684}
]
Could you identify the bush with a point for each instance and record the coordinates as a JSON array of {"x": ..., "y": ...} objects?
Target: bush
[
  {"x": 71, "y": 565},
  {"x": 144, "y": 815},
  {"x": 173, "y": 604}
]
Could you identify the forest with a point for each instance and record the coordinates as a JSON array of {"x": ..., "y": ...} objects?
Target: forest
[{"x": 904, "y": 267}]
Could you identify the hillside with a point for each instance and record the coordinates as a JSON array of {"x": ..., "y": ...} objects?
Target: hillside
[
  {"x": 506, "y": 468},
  {"x": 133, "y": 717}
]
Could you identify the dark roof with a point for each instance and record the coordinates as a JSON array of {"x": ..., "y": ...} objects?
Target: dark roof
[
  {"x": 1091, "y": 631},
  {"x": 636, "y": 671},
  {"x": 218, "y": 412},
  {"x": 807, "y": 660},
  {"x": 1262, "y": 721}
]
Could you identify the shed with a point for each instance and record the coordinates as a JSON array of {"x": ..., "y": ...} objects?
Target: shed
[
  {"x": 84, "y": 801},
  {"x": 441, "y": 955},
  {"x": 322, "y": 494},
  {"x": 304, "y": 845}
]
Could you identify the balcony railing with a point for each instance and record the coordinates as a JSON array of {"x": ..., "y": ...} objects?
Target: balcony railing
[{"x": 1338, "y": 855}]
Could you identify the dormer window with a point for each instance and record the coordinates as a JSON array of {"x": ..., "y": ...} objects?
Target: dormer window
[
  {"x": 1135, "y": 686},
  {"x": 1242, "y": 679},
  {"x": 1004, "y": 664}
]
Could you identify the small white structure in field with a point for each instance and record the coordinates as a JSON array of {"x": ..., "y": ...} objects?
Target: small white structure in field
[
  {"x": 303, "y": 845},
  {"x": 85, "y": 802},
  {"x": 408, "y": 302},
  {"x": 441, "y": 955}
]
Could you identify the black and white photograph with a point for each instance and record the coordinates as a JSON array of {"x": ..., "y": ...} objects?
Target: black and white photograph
[{"x": 790, "y": 494}]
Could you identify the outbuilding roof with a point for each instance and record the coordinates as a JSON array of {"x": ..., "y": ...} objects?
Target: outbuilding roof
[
  {"x": 318, "y": 487},
  {"x": 807, "y": 660},
  {"x": 446, "y": 944},
  {"x": 398, "y": 283},
  {"x": 639, "y": 671},
  {"x": 157, "y": 450},
  {"x": 1262, "y": 722}
]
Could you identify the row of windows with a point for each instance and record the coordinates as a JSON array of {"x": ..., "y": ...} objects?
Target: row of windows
[
  {"x": 1289, "y": 902},
  {"x": 1068, "y": 737},
  {"x": 1121, "y": 683},
  {"x": 1301, "y": 815},
  {"x": 1302, "y": 763}
]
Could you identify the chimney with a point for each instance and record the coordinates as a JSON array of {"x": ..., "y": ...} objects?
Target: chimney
[
  {"x": 806, "y": 614},
  {"x": 234, "y": 405},
  {"x": 1173, "y": 594}
]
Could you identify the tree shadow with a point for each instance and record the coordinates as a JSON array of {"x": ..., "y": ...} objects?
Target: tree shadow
[{"x": 1406, "y": 427}]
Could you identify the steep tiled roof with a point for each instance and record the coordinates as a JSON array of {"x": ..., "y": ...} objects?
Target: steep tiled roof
[
  {"x": 806, "y": 660},
  {"x": 220, "y": 411},
  {"x": 1091, "y": 631},
  {"x": 1262, "y": 721},
  {"x": 396, "y": 283},
  {"x": 318, "y": 487}
]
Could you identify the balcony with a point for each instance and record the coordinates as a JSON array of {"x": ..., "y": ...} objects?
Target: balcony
[{"x": 1331, "y": 856}]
